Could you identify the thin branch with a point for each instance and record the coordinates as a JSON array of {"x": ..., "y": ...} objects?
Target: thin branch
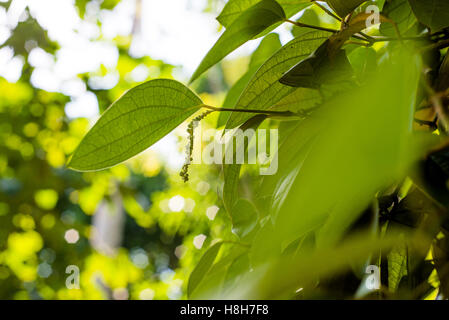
[
  {"x": 300, "y": 24},
  {"x": 333, "y": 15},
  {"x": 304, "y": 25},
  {"x": 268, "y": 112},
  {"x": 386, "y": 39}
]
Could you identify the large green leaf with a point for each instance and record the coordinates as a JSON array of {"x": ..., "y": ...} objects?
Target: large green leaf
[
  {"x": 344, "y": 7},
  {"x": 267, "y": 47},
  {"x": 248, "y": 25},
  {"x": 264, "y": 90},
  {"x": 137, "y": 120},
  {"x": 432, "y": 13},
  {"x": 319, "y": 69},
  {"x": 234, "y": 8},
  {"x": 401, "y": 13}
]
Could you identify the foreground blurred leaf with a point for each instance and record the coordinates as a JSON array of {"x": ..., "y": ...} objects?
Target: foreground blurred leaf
[
  {"x": 365, "y": 145},
  {"x": 137, "y": 120},
  {"x": 432, "y": 13},
  {"x": 280, "y": 278},
  {"x": 397, "y": 266},
  {"x": 244, "y": 218},
  {"x": 249, "y": 24},
  {"x": 203, "y": 267},
  {"x": 231, "y": 172},
  {"x": 226, "y": 268},
  {"x": 264, "y": 89}
]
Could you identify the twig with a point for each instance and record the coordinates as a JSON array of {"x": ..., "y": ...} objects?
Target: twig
[
  {"x": 327, "y": 10},
  {"x": 304, "y": 25},
  {"x": 268, "y": 112}
]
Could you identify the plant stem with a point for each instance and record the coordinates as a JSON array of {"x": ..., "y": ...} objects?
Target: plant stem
[
  {"x": 268, "y": 112},
  {"x": 385, "y": 39},
  {"x": 300, "y": 24},
  {"x": 327, "y": 10},
  {"x": 304, "y": 25}
]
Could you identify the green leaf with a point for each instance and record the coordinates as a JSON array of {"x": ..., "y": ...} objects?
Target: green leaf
[
  {"x": 244, "y": 218},
  {"x": 292, "y": 152},
  {"x": 344, "y": 7},
  {"x": 366, "y": 144},
  {"x": 248, "y": 25},
  {"x": 264, "y": 90},
  {"x": 203, "y": 267},
  {"x": 401, "y": 13},
  {"x": 310, "y": 17},
  {"x": 318, "y": 69},
  {"x": 227, "y": 266},
  {"x": 231, "y": 172},
  {"x": 264, "y": 248},
  {"x": 432, "y": 13},
  {"x": 364, "y": 62},
  {"x": 397, "y": 266},
  {"x": 300, "y": 100},
  {"x": 279, "y": 277},
  {"x": 267, "y": 47},
  {"x": 137, "y": 120},
  {"x": 234, "y": 8}
]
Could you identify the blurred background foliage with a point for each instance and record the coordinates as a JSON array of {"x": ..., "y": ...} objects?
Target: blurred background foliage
[{"x": 135, "y": 231}]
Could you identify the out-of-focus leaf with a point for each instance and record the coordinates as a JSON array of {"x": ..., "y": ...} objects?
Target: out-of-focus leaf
[
  {"x": 432, "y": 13},
  {"x": 364, "y": 62},
  {"x": 263, "y": 249},
  {"x": 401, "y": 13},
  {"x": 203, "y": 266},
  {"x": 249, "y": 24},
  {"x": 236, "y": 270},
  {"x": 137, "y": 120},
  {"x": 231, "y": 172},
  {"x": 365, "y": 145},
  {"x": 344, "y": 7},
  {"x": 244, "y": 218},
  {"x": 264, "y": 90},
  {"x": 280, "y": 278},
  {"x": 291, "y": 154},
  {"x": 268, "y": 46},
  {"x": 221, "y": 275},
  {"x": 234, "y": 8}
]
